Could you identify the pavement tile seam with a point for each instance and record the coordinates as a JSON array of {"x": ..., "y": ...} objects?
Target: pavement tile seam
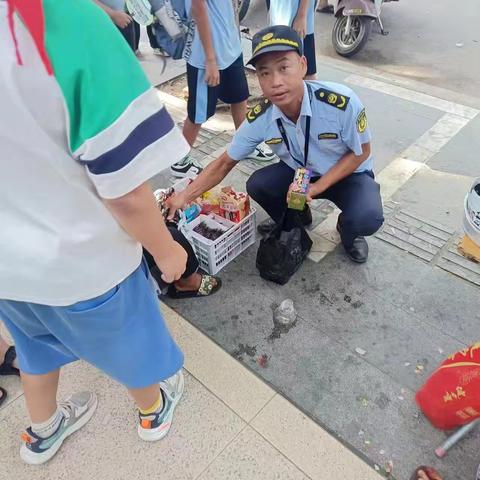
[
  {"x": 222, "y": 450},
  {"x": 413, "y": 96}
]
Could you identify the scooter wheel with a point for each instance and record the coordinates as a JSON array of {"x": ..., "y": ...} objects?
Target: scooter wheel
[{"x": 348, "y": 45}]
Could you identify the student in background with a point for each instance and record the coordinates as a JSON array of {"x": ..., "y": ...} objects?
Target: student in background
[{"x": 300, "y": 15}]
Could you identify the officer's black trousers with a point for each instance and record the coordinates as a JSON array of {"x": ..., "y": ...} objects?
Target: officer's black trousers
[{"x": 357, "y": 196}]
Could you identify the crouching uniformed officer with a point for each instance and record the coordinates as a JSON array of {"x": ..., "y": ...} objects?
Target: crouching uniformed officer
[{"x": 318, "y": 125}]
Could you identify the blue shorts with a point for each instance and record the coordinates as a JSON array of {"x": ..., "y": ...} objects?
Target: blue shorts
[
  {"x": 121, "y": 332},
  {"x": 202, "y": 99}
]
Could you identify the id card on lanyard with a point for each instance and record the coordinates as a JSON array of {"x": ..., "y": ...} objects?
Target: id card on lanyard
[{"x": 283, "y": 133}]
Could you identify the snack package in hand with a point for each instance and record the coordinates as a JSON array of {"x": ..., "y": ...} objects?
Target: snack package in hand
[
  {"x": 301, "y": 184},
  {"x": 234, "y": 206}
]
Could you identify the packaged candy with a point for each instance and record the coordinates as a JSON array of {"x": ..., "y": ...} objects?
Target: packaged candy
[
  {"x": 192, "y": 212},
  {"x": 210, "y": 201},
  {"x": 234, "y": 206},
  {"x": 298, "y": 194}
]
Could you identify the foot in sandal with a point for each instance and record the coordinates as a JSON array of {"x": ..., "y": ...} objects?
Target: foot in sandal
[{"x": 196, "y": 285}]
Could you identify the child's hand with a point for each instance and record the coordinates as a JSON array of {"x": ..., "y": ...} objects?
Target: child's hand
[
  {"x": 121, "y": 19},
  {"x": 172, "y": 263},
  {"x": 212, "y": 74},
  {"x": 300, "y": 26}
]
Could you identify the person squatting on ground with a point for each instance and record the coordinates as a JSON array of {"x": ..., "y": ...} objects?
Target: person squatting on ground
[{"x": 318, "y": 125}]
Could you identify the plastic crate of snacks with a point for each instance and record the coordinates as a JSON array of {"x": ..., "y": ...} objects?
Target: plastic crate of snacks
[{"x": 217, "y": 241}]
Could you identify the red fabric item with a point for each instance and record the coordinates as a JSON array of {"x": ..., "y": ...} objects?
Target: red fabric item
[
  {"x": 451, "y": 396},
  {"x": 31, "y": 13}
]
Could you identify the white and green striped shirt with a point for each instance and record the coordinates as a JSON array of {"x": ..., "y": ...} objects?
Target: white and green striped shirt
[{"x": 94, "y": 129}]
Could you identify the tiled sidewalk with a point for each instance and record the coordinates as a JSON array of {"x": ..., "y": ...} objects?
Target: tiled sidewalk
[{"x": 230, "y": 425}]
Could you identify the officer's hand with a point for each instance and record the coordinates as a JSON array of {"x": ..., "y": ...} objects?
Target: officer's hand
[
  {"x": 178, "y": 201},
  {"x": 311, "y": 194},
  {"x": 300, "y": 26},
  {"x": 212, "y": 74},
  {"x": 173, "y": 263}
]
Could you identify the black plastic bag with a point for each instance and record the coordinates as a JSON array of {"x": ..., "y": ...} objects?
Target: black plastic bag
[{"x": 283, "y": 250}]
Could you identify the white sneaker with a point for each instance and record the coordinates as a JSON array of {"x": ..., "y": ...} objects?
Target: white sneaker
[
  {"x": 77, "y": 410},
  {"x": 262, "y": 153},
  {"x": 187, "y": 167},
  {"x": 156, "y": 425}
]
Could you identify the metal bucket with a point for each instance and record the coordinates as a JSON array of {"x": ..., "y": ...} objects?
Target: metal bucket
[{"x": 471, "y": 220}]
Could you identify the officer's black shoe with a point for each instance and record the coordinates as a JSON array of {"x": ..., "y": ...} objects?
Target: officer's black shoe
[
  {"x": 267, "y": 226},
  {"x": 358, "y": 250}
]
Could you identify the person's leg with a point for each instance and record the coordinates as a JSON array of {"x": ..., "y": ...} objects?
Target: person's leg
[
  {"x": 4, "y": 347},
  {"x": 152, "y": 38},
  {"x": 233, "y": 89},
  {"x": 41, "y": 395},
  {"x": 358, "y": 197},
  {"x": 190, "y": 131},
  {"x": 269, "y": 187},
  {"x": 190, "y": 279},
  {"x": 201, "y": 104},
  {"x": 239, "y": 112},
  {"x": 147, "y": 398},
  {"x": 202, "y": 100},
  {"x": 309, "y": 51},
  {"x": 129, "y": 35},
  {"x": 40, "y": 356},
  {"x": 136, "y": 35}
]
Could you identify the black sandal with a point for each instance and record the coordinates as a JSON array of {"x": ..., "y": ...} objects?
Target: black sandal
[
  {"x": 7, "y": 368},
  {"x": 3, "y": 395},
  {"x": 208, "y": 286}
]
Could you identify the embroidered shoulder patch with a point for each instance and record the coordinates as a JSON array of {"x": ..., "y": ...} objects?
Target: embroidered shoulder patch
[
  {"x": 332, "y": 98},
  {"x": 258, "y": 110},
  {"x": 362, "y": 122},
  {"x": 274, "y": 141}
]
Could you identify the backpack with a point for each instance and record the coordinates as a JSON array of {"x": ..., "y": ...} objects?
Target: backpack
[{"x": 174, "y": 29}]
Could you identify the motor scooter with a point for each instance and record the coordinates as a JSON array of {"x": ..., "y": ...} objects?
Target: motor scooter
[{"x": 354, "y": 23}]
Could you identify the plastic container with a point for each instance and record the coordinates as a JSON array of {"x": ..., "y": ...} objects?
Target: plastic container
[
  {"x": 285, "y": 313},
  {"x": 471, "y": 219},
  {"x": 213, "y": 255}
]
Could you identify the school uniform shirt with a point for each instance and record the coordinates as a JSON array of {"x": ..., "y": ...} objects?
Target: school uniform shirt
[
  {"x": 338, "y": 124},
  {"x": 79, "y": 123},
  {"x": 283, "y": 12},
  {"x": 225, "y": 35}
]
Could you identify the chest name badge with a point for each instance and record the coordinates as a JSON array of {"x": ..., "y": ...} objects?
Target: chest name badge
[
  {"x": 273, "y": 141},
  {"x": 327, "y": 136}
]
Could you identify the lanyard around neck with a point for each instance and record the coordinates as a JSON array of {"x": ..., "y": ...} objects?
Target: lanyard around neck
[{"x": 283, "y": 133}]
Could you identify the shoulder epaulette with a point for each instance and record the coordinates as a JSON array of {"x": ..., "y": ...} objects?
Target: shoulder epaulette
[
  {"x": 258, "y": 110},
  {"x": 332, "y": 98}
]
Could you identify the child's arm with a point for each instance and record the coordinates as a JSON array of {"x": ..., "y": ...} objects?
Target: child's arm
[
  {"x": 200, "y": 15},
  {"x": 300, "y": 20},
  {"x": 121, "y": 19},
  {"x": 138, "y": 214}
]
